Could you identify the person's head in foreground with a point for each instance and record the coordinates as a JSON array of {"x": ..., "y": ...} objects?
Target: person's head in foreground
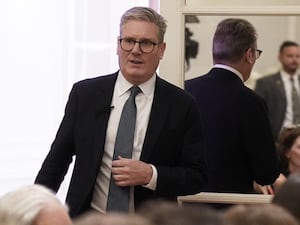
[
  {"x": 32, "y": 205},
  {"x": 259, "y": 214}
]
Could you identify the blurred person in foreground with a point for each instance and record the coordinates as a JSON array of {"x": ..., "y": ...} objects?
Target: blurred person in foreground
[
  {"x": 238, "y": 144},
  {"x": 259, "y": 214},
  {"x": 166, "y": 152},
  {"x": 169, "y": 213},
  {"x": 32, "y": 205},
  {"x": 288, "y": 195},
  {"x": 96, "y": 218}
]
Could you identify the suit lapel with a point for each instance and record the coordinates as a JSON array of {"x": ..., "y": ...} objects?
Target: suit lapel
[
  {"x": 158, "y": 115},
  {"x": 102, "y": 110},
  {"x": 104, "y": 96}
]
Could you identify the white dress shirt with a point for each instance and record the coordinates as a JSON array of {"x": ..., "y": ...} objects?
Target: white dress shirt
[
  {"x": 230, "y": 69},
  {"x": 143, "y": 103}
]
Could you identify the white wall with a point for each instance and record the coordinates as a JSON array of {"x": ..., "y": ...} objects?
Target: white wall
[
  {"x": 32, "y": 66},
  {"x": 270, "y": 17},
  {"x": 269, "y": 40},
  {"x": 45, "y": 46}
]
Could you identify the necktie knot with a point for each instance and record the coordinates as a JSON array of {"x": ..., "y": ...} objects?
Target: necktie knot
[{"x": 135, "y": 90}]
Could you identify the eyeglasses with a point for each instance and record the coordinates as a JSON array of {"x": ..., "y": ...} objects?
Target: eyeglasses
[
  {"x": 258, "y": 53},
  {"x": 146, "y": 46}
]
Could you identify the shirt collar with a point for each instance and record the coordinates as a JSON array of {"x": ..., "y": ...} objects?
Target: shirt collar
[
  {"x": 285, "y": 76},
  {"x": 230, "y": 69},
  {"x": 122, "y": 85}
]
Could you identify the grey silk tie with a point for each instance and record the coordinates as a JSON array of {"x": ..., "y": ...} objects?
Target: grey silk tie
[
  {"x": 118, "y": 197},
  {"x": 295, "y": 104}
]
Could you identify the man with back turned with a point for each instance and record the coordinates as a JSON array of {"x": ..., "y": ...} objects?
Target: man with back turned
[{"x": 238, "y": 143}]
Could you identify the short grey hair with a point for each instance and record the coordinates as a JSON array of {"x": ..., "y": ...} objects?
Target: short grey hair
[
  {"x": 233, "y": 37},
  {"x": 145, "y": 14}
]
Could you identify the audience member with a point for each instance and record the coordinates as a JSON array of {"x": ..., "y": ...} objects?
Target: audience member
[
  {"x": 169, "y": 213},
  {"x": 95, "y": 218},
  {"x": 277, "y": 89},
  {"x": 288, "y": 195},
  {"x": 238, "y": 141},
  {"x": 288, "y": 147},
  {"x": 33, "y": 205},
  {"x": 261, "y": 214},
  {"x": 165, "y": 150}
]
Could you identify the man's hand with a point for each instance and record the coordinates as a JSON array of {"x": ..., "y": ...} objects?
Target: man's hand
[{"x": 129, "y": 172}]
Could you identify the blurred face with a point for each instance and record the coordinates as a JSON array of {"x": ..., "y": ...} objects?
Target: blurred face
[
  {"x": 290, "y": 59},
  {"x": 294, "y": 154},
  {"x": 136, "y": 65}
]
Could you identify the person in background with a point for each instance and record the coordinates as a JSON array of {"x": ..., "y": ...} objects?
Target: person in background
[
  {"x": 277, "y": 89},
  {"x": 288, "y": 147},
  {"x": 288, "y": 195},
  {"x": 32, "y": 205},
  {"x": 166, "y": 158},
  {"x": 238, "y": 143}
]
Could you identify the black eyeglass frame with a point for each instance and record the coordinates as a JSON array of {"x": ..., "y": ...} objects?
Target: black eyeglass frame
[
  {"x": 258, "y": 53},
  {"x": 133, "y": 42}
]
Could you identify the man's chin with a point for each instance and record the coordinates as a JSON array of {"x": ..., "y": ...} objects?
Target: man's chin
[{"x": 135, "y": 72}]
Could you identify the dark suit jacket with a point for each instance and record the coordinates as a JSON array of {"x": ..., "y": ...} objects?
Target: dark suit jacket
[
  {"x": 171, "y": 143},
  {"x": 272, "y": 90},
  {"x": 239, "y": 146}
]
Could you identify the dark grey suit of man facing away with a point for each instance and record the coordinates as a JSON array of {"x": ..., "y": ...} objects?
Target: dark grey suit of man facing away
[
  {"x": 238, "y": 142},
  {"x": 239, "y": 146}
]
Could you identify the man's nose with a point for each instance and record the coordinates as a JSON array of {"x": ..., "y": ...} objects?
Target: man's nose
[{"x": 136, "y": 47}]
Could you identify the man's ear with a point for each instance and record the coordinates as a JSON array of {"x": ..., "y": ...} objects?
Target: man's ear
[
  {"x": 162, "y": 49},
  {"x": 250, "y": 56},
  {"x": 118, "y": 46}
]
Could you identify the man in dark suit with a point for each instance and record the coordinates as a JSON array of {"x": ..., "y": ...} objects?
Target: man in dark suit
[
  {"x": 167, "y": 156},
  {"x": 239, "y": 147},
  {"x": 276, "y": 88}
]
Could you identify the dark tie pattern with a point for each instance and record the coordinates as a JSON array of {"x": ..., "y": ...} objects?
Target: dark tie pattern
[
  {"x": 118, "y": 197},
  {"x": 295, "y": 104}
]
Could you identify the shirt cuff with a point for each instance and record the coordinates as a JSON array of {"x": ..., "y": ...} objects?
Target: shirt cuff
[{"x": 152, "y": 183}]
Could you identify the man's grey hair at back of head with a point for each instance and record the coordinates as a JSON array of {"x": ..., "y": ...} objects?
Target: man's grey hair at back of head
[{"x": 232, "y": 38}]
